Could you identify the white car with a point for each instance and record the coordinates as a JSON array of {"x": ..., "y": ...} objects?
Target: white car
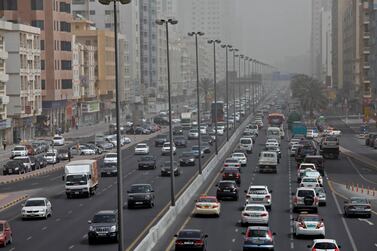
[
  {"x": 254, "y": 214},
  {"x": 230, "y": 162},
  {"x": 240, "y": 157},
  {"x": 304, "y": 167},
  {"x": 125, "y": 140},
  {"x": 110, "y": 158},
  {"x": 142, "y": 148},
  {"x": 272, "y": 142},
  {"x": 51, "y": 157},
  {"x": 207, "y": 205},
  {"x": 26, "y": 161},
  {"x": 259, "y": 195},
  {"x": 309, "y": 224},
  {"x": 220, "y": 131},
  {"x": 166, "y": 148},
  {"x": 311, "y": 182},
  {"x": 294, "y": 148},
  {"x": 58, "y": 140},
  {"x": 203, "y": 130},
  {"x": 324, "y": 245},
  {"x": 39, "y": 207},
  {"x": 313, "y": 174},
  {"x": 193, "y": 134},
  {"x": 293, "y": 141},
  {"x": 86, "y": 150},
  {"x": 19, "y": 151}
]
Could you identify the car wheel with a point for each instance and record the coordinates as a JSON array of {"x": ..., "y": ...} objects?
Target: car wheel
[
  {"x": 10, "y": 240},
  {"x": 91, "y": 240}
]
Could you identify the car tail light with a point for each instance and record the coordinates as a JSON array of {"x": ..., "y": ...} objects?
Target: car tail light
[
  {"x": 302, "y": 224},
  {"x": 238, "y": 175},
  {"x": 263, "y": 214},
  {"x": 267, "y": 197},
  {"x": 225, "y": 165},
  {"x": 248, "y": 196},
  {"x": 367, "y": 207},
  {"x": 294, "y": 199},
  {"x": 246, "y": 214},
  {"x": 199, "y": 243},
  {"x": 237, "y": 165},
  {"x": 177, "y": 242},
  {"x": 320, "y": 224},
  {"x": 215, "y": 206},
  {"x": 198, "y": 206},
  {"x": 314, "y": 249}
]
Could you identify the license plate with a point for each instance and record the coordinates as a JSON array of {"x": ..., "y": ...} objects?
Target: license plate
[
  {"x": 108, "y": 172},
  {"x": 77, "y": 192},
  {"x": 188, "y": 242},
  {"x": 206, "y": 206},
  {"x": 226, "y": 190},
  {"x": 230, "y": 175},
  {"x": 10, "y": 171},
  {"x": 101, "y": 234},
  {"x": 312, "y": 226},
  {"x": 258, "y": 199}
]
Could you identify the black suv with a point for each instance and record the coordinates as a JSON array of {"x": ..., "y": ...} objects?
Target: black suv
[
  {"x": 103, "y": 226},
  {"x": 160, "y": 140},
  {"x": 187, "y": 159},
  {"x": 140, "y": 195},
  {"x": 180, "y": 141},
  {"x": 14, "y": 167},
  {"x": 147, "y": 162},
  {"x": 177, "y": 130},
  {"x": 165, "y": 169},
  {"x": 227, "y": 189}
]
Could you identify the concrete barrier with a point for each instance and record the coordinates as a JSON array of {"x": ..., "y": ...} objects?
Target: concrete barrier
[{"x": 166, "y": 221}]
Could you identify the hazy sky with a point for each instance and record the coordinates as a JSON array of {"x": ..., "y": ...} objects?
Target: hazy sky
[{"x": 275, "y": 29}]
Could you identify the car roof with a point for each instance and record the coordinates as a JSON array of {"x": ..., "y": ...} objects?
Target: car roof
[
  {"x": 305, "y": 188},
  {"x": 258, "y": 228},
  {"x": 206, "y": 196},
  {"x": 260, "y": 186},
  {"x": 106, "y": 212},
  {"x": 37, "y": 198},
  {"x": 324, "y": 241},
  {"x": 254, "y": 205}
]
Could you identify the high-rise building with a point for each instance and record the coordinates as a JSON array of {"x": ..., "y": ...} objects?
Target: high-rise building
[{"x": 54, "y": 19}]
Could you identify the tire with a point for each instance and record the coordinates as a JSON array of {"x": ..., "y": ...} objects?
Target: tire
[
  {"x": 91, "y": 240},
  {"x": 243, "y": 224}
]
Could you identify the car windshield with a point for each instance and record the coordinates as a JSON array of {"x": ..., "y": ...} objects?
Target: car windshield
[
  {"x": 226, "y": 184},
  {"x": 189, "y": 235},
  {"x": 230, "y": 170},
  {"x": 141, "y": 146},
  {"x": 331, "y": 139},
  {"x": 254, "y": 208},
  {"x": 187, "y": 154},
  {"x": 34, "y": 203},
  {"x": 320, "y": 190},
  {"x": 104, "y": 218},
  {"x": 179, "y": 138},
  {"x": 50, "y": 154},
  {"x": 325, "y": 246},
  {"x": 304, "y": 193},
  {"x": 76, "y": 179},
  {"x": 195, "y": 148},
  {"x": 140, "y": 189},
  {"x": 207, "y": 199},
  {"x": 147, "y": 158},
  {"x": 309, "y": 218},
  {"x": 57, "y": 138},
  {"x": 359, "y": 201},
  {"x": 161, "y": 136},
  {"x": 245, "y": 141},
  {"x": 309, "y": 180},
  {"x": 238, "y": 155},
  {"x": 257, "y": 233},
  {"x": 257, "y": 191},
  {"x": 312, "y": 174},
  {"x": 231, "y": 161},
  {"x": 19, "y": 148}
]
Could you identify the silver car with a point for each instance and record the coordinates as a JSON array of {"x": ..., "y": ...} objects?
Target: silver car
[
  {"x": 322, "y": 195},
  {"x": 357, "y": 206}
]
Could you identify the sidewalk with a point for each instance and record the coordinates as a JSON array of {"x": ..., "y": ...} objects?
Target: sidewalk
[{"x": 11, "y": 199}]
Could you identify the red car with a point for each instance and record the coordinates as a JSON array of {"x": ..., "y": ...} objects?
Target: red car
[{"x": 5, "y": 233}]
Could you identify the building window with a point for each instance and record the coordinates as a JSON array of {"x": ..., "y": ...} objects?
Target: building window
[
  {"x": 37, "y": 4},
  {"x": 78, "y": 1},
  {"x": 43, "y": 84},
  {"x": 66, "y": 83},
  {"x": 42, "y": 45},
  {"x": 38, "y": 23},
  {"x": 108, "y": 12},
  {"x": 8, "y": 5},
  {"x": 66, "y": 65},
  {"x": 92, "y": 12},
  {"x": 65, "y": 7},
  {"x": 64, "y": 26},
  {"x": 65, "y": 46},
  {"x": 108, "y": 25},
  {"x": 42, "y": 64}
]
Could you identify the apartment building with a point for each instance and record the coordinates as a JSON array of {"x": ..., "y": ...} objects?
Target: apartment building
[
  {"x": 54, "y": 19},
  {"x": 371, "y": 52}
]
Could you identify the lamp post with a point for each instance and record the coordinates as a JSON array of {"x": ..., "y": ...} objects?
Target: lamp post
[
  {"x": 214, "y": 42},
  {"x": 239, "y": 83},
  {"x": 245, "y": 58},
  {"x": 234, "y": 50},
  {"x": 227, "y": 46},
  {"x": 196, "y": 34},
  {"x": 249, "y": 77},
  {"x": 253, "y": 82},
  {"x": 117, "y": 108},
  {"x": 166, "y": 22}
]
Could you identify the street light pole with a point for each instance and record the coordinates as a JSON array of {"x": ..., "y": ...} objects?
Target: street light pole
[
  {"x": 227, "y": 46},
  {"x": 167, "y": 22},
  {"x": 239, "y": 83},
  {"x": 246, "y": 58},
  {"x": 234, "y": 50},
  {"x": 214, "y": 42},
  {"x": 253, "y": 82},
  {"x": 249, "y": 78},
  {"x": 196, "y": 34},
  {"x": 117, "y": 108}
]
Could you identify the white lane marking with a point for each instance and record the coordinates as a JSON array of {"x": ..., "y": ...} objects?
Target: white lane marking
[
  {"x": 29, "y": 238},
  {"x": 236, "y": 230},
  {"x": 72, "y": 246},
  {"x": 367, "y": 221},
  {"x": 233, "y": 240},
  {"x": 358, "y": 172},
  {"x": 44, "y": 228},
  {"x": 292, "y": 245},
  {"x": 345, "y": 224},
  {"x": 35, "y": 183},
  {"x": 13, "y": 248},
  {"x": 375, "y": 244},
  {"x": 84, "y": 236}
]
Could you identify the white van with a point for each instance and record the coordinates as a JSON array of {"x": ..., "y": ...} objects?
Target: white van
[
  {"x": 246, "y": 144},
  {"x": 274, "y": 133}
]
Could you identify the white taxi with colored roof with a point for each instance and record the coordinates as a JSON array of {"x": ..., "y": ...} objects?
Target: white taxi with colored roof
[
  {"x": 309, "y": 224},
  {"x": 207, "y": 205}
]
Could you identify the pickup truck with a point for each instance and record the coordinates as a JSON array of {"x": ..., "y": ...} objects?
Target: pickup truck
[
  {"x": 268, "y": 162},
  {"x": 329, "y": 147}
]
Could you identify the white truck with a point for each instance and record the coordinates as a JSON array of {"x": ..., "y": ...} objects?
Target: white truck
[
  {"x": 81, "y": 178},
  {"x": 186, "y": 120},
  {"x": 268, "y": 162},
  {"x": 246, "y": 144}
]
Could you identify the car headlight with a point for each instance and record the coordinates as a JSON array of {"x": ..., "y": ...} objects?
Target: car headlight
[
  {"x": 16, "y": 168},
  {"x": 192, "y": 159},
  {"x": 23, "y": 211},
  {"x": 130, "y": 196},
  {"x": 147, "y": 196},
  {"x": 91, "y": 228},
  {"x": 113, "y": 228}
]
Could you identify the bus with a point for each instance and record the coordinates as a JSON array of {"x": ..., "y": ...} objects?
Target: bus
[
  {"x": 275, "y": 119},
  {"x": 217, "y": 111}
]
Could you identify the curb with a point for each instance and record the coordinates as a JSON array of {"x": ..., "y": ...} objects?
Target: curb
[{"x": 13, "y": 202}]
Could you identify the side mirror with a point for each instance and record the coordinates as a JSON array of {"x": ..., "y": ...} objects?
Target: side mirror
[
  {"x": 152, "y": 191},
  {"x": 176, "y": 235},
  {"x": 216, "y": 185},
  {"x": 270, "y": 191},
  {"x": 89, "y": 222},
  {"x": 245, "y": 191},
  {"x": 243, "y": 233},
  {"x": 317, "y": 194},
  {"x": 89, "y": 176},
  {"x": 206, "y": 236},
  {"x": 63, "y": 178},
  {"x": 339, "y": 246}
]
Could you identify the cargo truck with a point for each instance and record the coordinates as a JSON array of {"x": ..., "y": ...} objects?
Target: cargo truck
[
  {"x": 81, "y": 178},
  {"x": 186, "y": 120}
]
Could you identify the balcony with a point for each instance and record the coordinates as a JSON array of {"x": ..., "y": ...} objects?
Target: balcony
[
  {"x": 4, "y": 100},
  {"x": 366, "y": 35},
  {"x": 366, "y": 67},
  {"x": 366, "y": 50}
]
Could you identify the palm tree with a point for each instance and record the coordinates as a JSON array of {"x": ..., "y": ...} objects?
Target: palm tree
[{"x": 205, "y": 87}]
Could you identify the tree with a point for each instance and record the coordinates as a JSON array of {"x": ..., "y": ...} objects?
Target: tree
[{"x": 205, "y": 88}]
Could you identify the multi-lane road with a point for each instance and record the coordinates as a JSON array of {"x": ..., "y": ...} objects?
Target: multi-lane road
[
  {"x": 67, "y": 228},
  {"x": 225, "y": 233}
]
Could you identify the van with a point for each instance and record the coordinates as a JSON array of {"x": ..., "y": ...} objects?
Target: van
[
  {"x": 246, "y": 144},
  {"x": 274, "y": 133}
]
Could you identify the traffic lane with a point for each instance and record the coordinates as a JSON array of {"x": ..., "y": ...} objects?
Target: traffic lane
[
  {"x": 352, "y": 143},
  {"x": 89, "y": 215}
]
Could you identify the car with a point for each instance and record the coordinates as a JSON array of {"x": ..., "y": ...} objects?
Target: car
[
  {"x": 318, "y": 161},
  {"x": 177, "y": 130},
  {"x": 193, "y": 134},
  {"x": 51, "y": 157},
  {"x": 259, "y": 122},
  {"x": 255, "y": 214},
  {"x": 26, "y": 160},
  {"x": 259, "y": 194},
  {"x": 246, "y": 144},
  {"x": 166, "y": 169},
  {"x": 357, "y": 206},
  {"x": 305, "y": 199},
  {"x": 30, "y": 149},
  {"x": 58, "y": 140},
  {"x": 95, "y": 148},
  {"x": 140, "y": 195},
  {"x": 190, "y": 239},
  {"x": 147, "y": 162},
  {"x": 309, "y": 182},
  {"x": 272, "y": 142},
  {"x": 160, "y": 140},
  {"x": 109, "y": 169},
  {"x": 180, "y": 141},
  {"x": 304, "y": 150},
  {"x": 309, "y": 225},
  {"x": 141, "y": 148},
  {"x": 232, "y": 173},
  {"x": 165, "y": 150},
  {"x": 104, "y": 145},
  {"x": 227, "y": 189},
  {"x": 241, "y": 157},
  {"x": 230, "y": 162},
  {"x": 125, "y": 140},
  {"x": 207, "y": 205},
  {"x": 19, "y": 150},
  {"x": 313, "y": 174},
  {"x": 37, "y": 207},
  {"x": 258, "y": 238},
  {"x": 112, "y": 139},
  {"x": 14, "y": 167},
  {"x": 6, "y": 234},
  {"x": 110, "y": 158},
  {"x": 85, "y": 150},
  {"x": 63, "y": 154},
  {"x": 103, "y": 226},
  {"x": 207, "y": 138},
  {"x": 324, "y": 244},
  {"x": 321, "y": 195},
  {"x": 206, "y": 147},
  {"x": 203, "y": 129},
  {"x": 38, "y": 147},
  {"x": 369, "y": 141},
  {"x": 293, "y": 141},
  {"x": 270, "y": 148},
  {"x": 195, "y": 150},
  {"x": 187, "y": 159},
  {"x": 220, "y": 130},
  {"x": 304, "y": 167},
  {"x": 294, "y": 148}
]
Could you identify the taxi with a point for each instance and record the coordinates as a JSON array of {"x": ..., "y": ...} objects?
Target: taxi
[{"x": 207, "y": 205}]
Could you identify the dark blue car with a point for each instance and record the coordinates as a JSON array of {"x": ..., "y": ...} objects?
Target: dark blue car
[{"x": 258, "y": 238}]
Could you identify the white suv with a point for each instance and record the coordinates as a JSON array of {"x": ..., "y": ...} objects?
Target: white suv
[
  {"x": 19, "y": 151},
  {"x": 142, "y": 148},
  {"x": 305, "y": 199},
  {"x": 259, "y": 195},
  {"x": 110, "y": 158}
]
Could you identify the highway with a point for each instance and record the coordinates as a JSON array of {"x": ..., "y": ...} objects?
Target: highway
[
  {"x": 225, "y": 233},
  {"x": 67, "y": 228}
]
